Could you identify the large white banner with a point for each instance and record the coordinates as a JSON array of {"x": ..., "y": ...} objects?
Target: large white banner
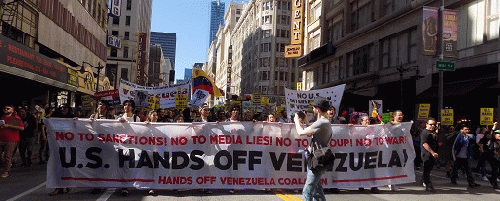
[
  {"x": 107, "y": 153},
  {"x": 300, "y": 100},
  {"x": 129, "y": 90}
]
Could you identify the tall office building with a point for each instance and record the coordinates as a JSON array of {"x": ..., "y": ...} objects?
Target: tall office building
[
  {"x": 133, "y": 27},
  {"x": 216, "y": 18},
  {"x": 168, "y": 42}
]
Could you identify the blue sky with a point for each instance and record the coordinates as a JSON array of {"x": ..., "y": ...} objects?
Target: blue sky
[{"x": 189, "y": 19}]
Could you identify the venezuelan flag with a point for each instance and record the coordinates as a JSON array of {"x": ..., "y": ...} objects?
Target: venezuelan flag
[{"x": 202, "y": 81}]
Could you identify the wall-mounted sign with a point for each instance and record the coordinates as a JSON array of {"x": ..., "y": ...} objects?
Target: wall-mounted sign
[
  {"x": 16, "y": 55},
  {"x": 293, "y": 51},
  {"x": 116, "y": 7},
  {"x": 297, "y": 22},
  {"x": 141, "y": 58},
  {"x": 114, "y": 41}
]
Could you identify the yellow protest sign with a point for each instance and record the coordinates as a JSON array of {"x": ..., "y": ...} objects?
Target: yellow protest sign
[
  {"x": 181, "y": 101},
  {"x": 423, "y": 111},
  {"x": 257, "y": 98},
  {"x": 264, "y": 101},
  {"x": 447, "y": 117},
  {"x": 486, "y": 117},
  {"x": 153, "y": 103}
]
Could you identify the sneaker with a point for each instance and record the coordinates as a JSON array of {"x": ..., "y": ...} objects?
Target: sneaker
[
  {"x": 5, "y": 174},
  {"x": 485, "y": 178},
  {"x": 296, "y": 191},
  {"x": 231, "y": 191},
  {"x": 151, "y": 192},
  {"x": 393, "y": 188},
  {"x": 473, "y": 185},
  {"x": 430, "y": 189},
  {"x": 96, "y": 191},
  {"x": 374, "y": 190},
  {"x": 124, "y": 192}
]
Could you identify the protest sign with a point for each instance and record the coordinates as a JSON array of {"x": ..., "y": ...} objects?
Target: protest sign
[
  {"x": 486, "y": 116},
  {"x": 198, "y": 98},
  {"x": 166, "y": 94},
  {"x": 112, "y": 96},
  {"x": 108, "y": 153},
  {"x": 447, "y": 117},
  {"x": 423, "y": 111},
  {"x": 300, "y": 100}
]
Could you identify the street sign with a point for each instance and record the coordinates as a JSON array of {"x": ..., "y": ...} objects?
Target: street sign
[{"x": 445, "y": 65}]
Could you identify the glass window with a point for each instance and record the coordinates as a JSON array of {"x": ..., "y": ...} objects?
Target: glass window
[
  {"x": 113, "y": 52},
  {"x": 125, "y": 52},
  {"x": 129, "y": 4},
  {"x": 127, "y": 36},
  {"x": 116, "y": 20},
  {"x": 127, "y": 20}
]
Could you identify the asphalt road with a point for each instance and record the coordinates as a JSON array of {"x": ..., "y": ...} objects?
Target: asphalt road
[{"x": 29, "y": 184}]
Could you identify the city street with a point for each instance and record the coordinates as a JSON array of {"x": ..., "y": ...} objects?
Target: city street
[{"x": 29, "y": 184}]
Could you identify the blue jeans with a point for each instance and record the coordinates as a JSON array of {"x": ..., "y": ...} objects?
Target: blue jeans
[{"x": 312, "y": 188}]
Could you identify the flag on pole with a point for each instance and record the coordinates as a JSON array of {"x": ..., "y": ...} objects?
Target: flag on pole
[{"x": 202, "y": 81}]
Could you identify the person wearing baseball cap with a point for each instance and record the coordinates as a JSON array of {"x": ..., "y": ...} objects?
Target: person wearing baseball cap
[{"x": 321, "y": 132}]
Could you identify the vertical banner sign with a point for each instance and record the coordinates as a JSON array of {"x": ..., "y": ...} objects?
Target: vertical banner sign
[
  {"x": 116, "y": 7},
  {"x": 297, "y": 22},
  {"x": 295, "y": 49},
  {"x": 447, "y": 117},
  {"x": 486, "y": 116},
  {"x": 141, "y": 58},
  {"x": 429, "y": 30},
  {"x": 423, "y": 111},
  {"x": 450, "y": 33}
]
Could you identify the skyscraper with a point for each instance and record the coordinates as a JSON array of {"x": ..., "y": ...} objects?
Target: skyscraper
[
  {"x": 216, "y": 18},
  {"x": 168, "y": 42}
]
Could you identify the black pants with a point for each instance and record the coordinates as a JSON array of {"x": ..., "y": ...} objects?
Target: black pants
[
  {"x": 494, "y": 163},
  {"x": 461, "y": 163},
  {"x": 428, "y": 165}
]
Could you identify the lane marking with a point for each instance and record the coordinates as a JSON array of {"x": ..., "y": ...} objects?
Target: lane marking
[
  {"x": 286, "y": 196},
  {"x": 106, "y": 194},
  {"x": 27, "y": 192}
]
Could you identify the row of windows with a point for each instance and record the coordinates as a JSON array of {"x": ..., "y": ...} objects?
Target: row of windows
[
  {"x": 279, "y": 33},
  {"x": 278, "y": 76},
  {"x": 116, "y": 20},
  {"x": 395, "y": 50},
  {"x": 126, "y": 35},
  {"x": 114, "y": 52}
]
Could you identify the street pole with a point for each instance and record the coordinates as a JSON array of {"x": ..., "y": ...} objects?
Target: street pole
[
  {"x": 98, "y": 73},
  {"x": 441, "y": 58}
]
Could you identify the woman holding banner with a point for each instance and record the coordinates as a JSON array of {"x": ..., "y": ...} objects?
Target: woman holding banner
[{"x": 365, "y": 121}]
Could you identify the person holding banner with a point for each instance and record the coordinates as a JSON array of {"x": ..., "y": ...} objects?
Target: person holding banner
[
  {"x": 235, "y": 114},
  {"x": 321, "y": 133},
  {"x": 429, "y": 148},
  {"x": 128, "y": 116},
  {"x": 204, "y": 112},
  {"x": 365, "y": 121},
  {"x": 398, "y": 118}
]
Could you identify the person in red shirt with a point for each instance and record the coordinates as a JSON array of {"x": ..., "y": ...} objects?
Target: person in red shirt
[{"x": 10, "y": 125}]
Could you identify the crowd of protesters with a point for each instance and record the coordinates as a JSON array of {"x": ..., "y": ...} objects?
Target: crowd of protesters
[{"x": 451, "y": 147}]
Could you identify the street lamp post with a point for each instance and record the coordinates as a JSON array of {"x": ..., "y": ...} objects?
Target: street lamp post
[
  {"x": 98, "y": 67},
  {"x": 401, "y": 70}
]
